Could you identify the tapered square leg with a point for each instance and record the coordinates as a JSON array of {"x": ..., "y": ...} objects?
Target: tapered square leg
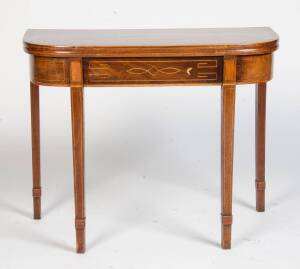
[
  {"x": 227, "y": 144},
  {"x": 260, "y": 137},
  {"x": 228, "y": 101},
  {"x": 78, "y": 163},
  {"x": 77, "y": 107},
  {"x": 35, "y": 137}
]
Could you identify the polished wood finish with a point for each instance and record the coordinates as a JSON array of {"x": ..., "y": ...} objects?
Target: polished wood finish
[
  {"x": 77, "y": 112},
  {"x": 50, "y": 71},
  {"x": 254, "y": 69},
  {"x": 150, "y": 71},
  {"x": 35, "y": 135},
  {"x": 97, "y": 58},
  {"x": 136, "y": 71},
  {"x": 151, "y": 42},
  {"x": 260, "y": 137},
  {"x": 227, "y": 142}
]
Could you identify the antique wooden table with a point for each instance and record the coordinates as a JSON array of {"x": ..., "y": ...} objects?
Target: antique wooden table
[{"x": 95, "y": 58}]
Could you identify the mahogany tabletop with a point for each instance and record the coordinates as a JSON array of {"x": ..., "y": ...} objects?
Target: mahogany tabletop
[{"x": 154, "y": 42}]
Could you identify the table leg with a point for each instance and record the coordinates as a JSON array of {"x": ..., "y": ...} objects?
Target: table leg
[
  {"x": 227, "y": 143},
  {"x": 227, "y": 136},
  {"x": 77, "y": 106},
  {"x": 78, "y": 164},
  {"x": 260, "y": 117},
  {"x": 35, "y": 136}
]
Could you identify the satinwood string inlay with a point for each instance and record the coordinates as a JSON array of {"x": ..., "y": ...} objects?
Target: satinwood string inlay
[{"x": 205, "y": 70}]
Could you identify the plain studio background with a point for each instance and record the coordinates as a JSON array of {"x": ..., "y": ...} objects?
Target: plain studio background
[{"x": 152, "y": 154}]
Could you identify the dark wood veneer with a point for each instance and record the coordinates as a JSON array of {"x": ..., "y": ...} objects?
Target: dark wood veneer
[
  {"x": 79, "y": 58},
  {"x": 152, "y": 70}
]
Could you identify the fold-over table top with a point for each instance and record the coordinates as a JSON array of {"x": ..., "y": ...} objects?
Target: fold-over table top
[{"x": 150, "y": 42}]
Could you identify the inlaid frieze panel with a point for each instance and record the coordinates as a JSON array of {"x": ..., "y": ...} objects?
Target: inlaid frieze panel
[{"x": 147, "y": 71}]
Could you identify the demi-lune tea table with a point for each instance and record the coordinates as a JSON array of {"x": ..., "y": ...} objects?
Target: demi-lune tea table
[{"x": 203, "y": 57}]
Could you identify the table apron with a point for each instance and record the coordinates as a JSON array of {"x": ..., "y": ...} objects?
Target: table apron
[{"x": 53, "y": 71}]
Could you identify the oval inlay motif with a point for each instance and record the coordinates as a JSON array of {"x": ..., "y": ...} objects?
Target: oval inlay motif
[{"x": 153, "y": 70}]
